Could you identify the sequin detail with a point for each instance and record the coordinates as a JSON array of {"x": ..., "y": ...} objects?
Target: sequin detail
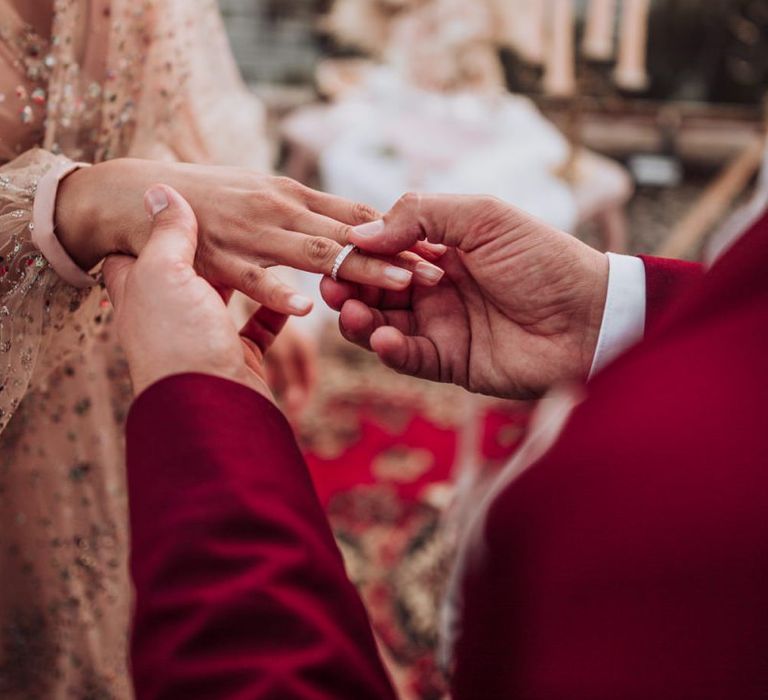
[{"x": 114, "y": 79}]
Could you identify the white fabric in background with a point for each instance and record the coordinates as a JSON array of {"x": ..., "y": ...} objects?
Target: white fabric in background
[{"x": 390, "y": 138}]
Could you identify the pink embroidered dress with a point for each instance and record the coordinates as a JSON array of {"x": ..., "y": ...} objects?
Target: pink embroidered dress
[{"x": 86, "y": 80}]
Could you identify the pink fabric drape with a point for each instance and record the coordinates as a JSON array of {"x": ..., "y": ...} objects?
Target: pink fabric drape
[{"x": 152, "y": 79}]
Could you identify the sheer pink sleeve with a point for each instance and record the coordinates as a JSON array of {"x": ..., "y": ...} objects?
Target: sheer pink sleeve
[
  {"x": 36, "y": 305},
  {"x": 212, "y": 117}
]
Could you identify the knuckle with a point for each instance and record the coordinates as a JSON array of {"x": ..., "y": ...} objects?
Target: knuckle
[
  {"x": 362, "y": 213},
  {"x": 491, "y": 211},
  {"x": 213, "y": 239},
  {"x": 321, "y": 252},
  {"x": 288, "y": 186},
  {"x": 410, "y": 200},
  {"x": 286, "y": 211},
  {"x": 342, "y": 233},
  {"x": 260, "y": 205},
  {"x": 489, "y": 201},
  {"x": 252, "y": 279}
]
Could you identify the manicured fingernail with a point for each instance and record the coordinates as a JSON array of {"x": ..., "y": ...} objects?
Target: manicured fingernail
[
  {"x": 397, "y": 275},
  {"x": 431, "y": 274},
  {"x": 299, "y": 304},
  {"x": 438, "y": 248},
  {"x": 157, "y": 201},
  {"x": 369, "y": 230}
]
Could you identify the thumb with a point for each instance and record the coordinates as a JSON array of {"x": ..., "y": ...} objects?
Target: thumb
[
  {"x": 439, "y": 219},
  {"x": 174, "y": 226},
  {"x": 115, "y": 271}
]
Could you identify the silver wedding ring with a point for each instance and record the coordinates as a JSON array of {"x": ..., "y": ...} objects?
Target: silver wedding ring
[{"x": 346, "y": 251}]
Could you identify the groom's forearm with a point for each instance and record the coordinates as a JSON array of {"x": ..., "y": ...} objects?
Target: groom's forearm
[{"x": 240, "y": 588}]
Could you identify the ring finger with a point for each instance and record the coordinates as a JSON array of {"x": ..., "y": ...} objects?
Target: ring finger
[
  {"x": 312, "y": 224},
  {"x": 318, "y": 255}
]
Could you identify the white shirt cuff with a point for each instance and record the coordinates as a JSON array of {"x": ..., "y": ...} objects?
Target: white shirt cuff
[{"x": 624, "y": 317}]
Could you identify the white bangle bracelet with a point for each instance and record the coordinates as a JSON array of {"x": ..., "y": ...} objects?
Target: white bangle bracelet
[{"x": 43, "y": 226}]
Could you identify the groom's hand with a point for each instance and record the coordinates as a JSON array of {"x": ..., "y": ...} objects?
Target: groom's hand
[
  {"x": 170, "y": 320},
  {"x": 519, "y": 308}
]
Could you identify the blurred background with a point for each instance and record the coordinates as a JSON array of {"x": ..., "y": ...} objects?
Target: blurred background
[
  {"x": 636, "y": 125},
  {"x": 671, "y": 89}
]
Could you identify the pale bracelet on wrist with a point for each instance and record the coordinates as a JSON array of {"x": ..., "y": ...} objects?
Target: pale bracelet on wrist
[{"x": 43, "y": 226}]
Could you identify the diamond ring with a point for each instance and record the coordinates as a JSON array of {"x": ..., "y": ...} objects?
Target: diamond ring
[{"x": 346, "y": 251}]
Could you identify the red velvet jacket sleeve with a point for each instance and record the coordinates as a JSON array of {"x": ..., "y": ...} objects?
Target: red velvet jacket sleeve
[
  {"x": 241, "y": 591},
  {"x": 665, "y": 279}
]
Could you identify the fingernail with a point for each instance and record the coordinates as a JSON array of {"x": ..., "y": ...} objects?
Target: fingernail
[
  {"x": 429, "y": 273},
  {"x": 369, "y": 230},
  {"x": 157, "y": 201},
  {"x": 397, "y": 275},
  {"x": 299, "y": 304}
]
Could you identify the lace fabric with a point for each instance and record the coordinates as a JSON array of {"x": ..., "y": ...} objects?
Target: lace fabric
[{"x": 116, "y": 78}]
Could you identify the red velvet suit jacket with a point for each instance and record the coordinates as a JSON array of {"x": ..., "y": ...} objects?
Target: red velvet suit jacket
[{"x": 630, "y": 562}]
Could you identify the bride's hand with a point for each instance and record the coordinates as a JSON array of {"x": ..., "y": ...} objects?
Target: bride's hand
[
  {"x": 247, "y": 222},
  {"x": 170, "y": 320}
]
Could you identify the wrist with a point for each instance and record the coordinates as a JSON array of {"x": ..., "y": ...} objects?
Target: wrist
[
  {"x": 99, "y": 210},
  {"x": 76, "y": 221}
]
